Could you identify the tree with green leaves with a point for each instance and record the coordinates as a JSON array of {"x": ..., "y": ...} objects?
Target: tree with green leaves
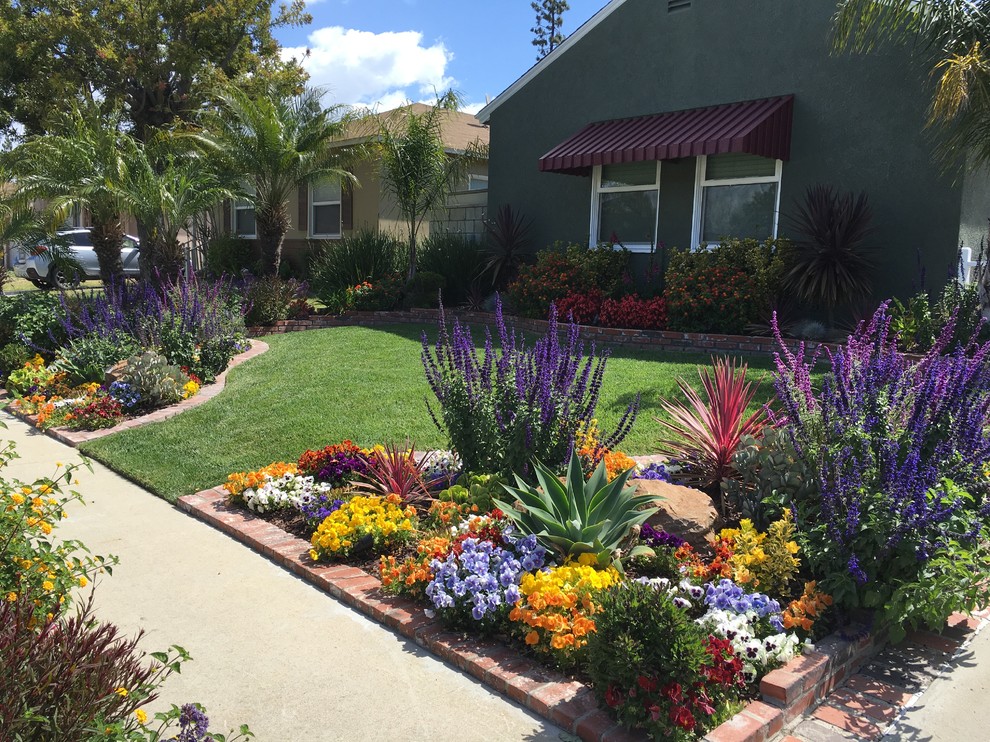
[
  {"x": 165, "y": 186},
  {"x": 155, "y": 59},
  {"x": 81, "y": 165},
  {"x": 548, "y": 31},
  {"x": 275, "y": 143},
  {"x": 955, "y": 37},
  {"x": 417, "y": 169}
]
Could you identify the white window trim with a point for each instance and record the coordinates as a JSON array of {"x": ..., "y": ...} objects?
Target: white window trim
[
  {"x": 597, "y": 189},
  {"x": 312, "y": 215},
  {"x": 472, "y": 178},
  {"x": 236, "y": 206},
  {"x": 699, "y": 190}
]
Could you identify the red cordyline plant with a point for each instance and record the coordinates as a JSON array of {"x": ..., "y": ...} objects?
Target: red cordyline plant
[
  {"x": 394, "y": 470},
  {"x": 703, "y": 434}
]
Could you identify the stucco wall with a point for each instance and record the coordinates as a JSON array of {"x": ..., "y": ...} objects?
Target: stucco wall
[{"x": 858, "y": 120}]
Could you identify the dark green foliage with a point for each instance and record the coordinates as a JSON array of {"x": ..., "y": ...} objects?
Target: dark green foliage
[
  {"x": 269, "y": 299},
  {"x": 32, "y": 319},
  {"x": 424, "y": 290},
  {"x": 230, "y": 255},
  {"x": 920, "y": 321},
  {"x": 831, "y": 264},
  {"x": 458, "y": 259},
  {"x": 87, "y": 358},
  {"x": 662, "y": 563},
  {"x": 13, "y": 356},
  {"x": 364, "y": 256},
  {"x": 641, "y": 633}
]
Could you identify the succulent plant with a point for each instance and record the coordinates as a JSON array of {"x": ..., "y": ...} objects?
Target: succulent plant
[
  {"x": 579, "y": 516},
  {"x": 157, "y": 381}
]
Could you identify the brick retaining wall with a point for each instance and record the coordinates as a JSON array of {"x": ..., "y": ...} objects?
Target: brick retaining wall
[{"x": 611, "y": 336}]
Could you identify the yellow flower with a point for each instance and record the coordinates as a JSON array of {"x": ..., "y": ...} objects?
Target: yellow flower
[
  {"x": 142, "y": 717},
  {"x": 83, "y": 581},
  {"x": 47, "y": 585},
  {"x": 11, "y": 597},
  {"x": 18, "y": 499},
  {"x": 121, "y": 691}
]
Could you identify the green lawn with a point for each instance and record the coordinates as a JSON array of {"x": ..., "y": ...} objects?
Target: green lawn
[{"x": 319, "y": 387}]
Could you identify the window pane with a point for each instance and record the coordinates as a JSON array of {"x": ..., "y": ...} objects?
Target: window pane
[
  {"x": 326, "y": 192},
  {"x": 244, "y": 221},
  {"x": 629, "y": 174},
  {"x": 326, "y": 219},
  {"x": 631, "y": 217},
  {"x": 738, "y": 211},
  {"x": 728, "y": 167}
]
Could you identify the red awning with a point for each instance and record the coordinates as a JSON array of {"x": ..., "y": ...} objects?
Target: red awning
[{"x": 755, "y": 127}]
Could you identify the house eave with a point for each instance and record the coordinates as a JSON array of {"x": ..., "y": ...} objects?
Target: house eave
[{"x": 587, "y": 27}]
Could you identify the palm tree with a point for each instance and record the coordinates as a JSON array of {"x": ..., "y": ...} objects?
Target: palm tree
[
  {"x": 416, "y": 167},
  {"x": 82, "y": 166},
  {"x": 165, "y": 188},
  {"x": 275, "y": 143},
  {"x": 956, "y": 36}
]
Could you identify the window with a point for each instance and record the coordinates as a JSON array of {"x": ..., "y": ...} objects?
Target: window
[
  {"x": 244, "y": 223},
  {"x": 737, "y": 195},
  {"x": 625, "y": 204},
  {"x": 477, "y": 183},
  {"x": 325, "y": 209}
]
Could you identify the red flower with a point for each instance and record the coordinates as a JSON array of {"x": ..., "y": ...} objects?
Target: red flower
[
  {"x": 613, "y": 697},
  {"x": 647, "y": 684}
]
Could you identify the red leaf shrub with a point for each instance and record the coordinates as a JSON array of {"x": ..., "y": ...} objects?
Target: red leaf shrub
[
  {"x": 635, "y": 313},
  {"x": 583, "y": 308}
]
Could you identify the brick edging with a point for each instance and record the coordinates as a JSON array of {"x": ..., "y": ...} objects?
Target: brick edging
[
  {"x": 609, "y": 336},
  {"x": 207, "y": 392},
  {"x": 786, "y": 693}
]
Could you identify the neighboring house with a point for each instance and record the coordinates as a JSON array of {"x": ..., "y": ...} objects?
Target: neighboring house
[
  {"x": 329, "y": 212},
  {"x": 683, "y": 121}
]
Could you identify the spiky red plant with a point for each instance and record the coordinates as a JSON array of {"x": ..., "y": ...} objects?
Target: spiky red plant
[
  {"x": 394, "y": 470},
  {"x": 703, "y": 433}
]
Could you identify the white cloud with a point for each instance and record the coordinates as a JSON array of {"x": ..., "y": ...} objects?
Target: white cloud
[{"x": 369, "y": 69}]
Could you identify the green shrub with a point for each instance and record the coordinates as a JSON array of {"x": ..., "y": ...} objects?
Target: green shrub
[
  {"x": 87, "y": 358},
  {"x": 459, "y": 259},
  {"x": 479, "y": 490},
  {"x": 269, "y": 299},
  {"x": 382, "y": 295},
  {"x": 158, "y": 382},
  {"x": 34, "y": 319},
  {"x": 769, "y": 475},
  {"x": 424, "y": 291},
  {"x": 655, "y": 668},
  {"x": 723, "y": 289},
  {"x": 230, "y": 255},
  {"x": 364, "y": 256},
  {"x": 13, "y": 356},
  {"x": 920, "y": 321}
]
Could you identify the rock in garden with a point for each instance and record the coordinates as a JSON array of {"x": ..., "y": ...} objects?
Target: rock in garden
[
  {"x": 686, "y": 512},
  {"x": 114, "y": 373}
]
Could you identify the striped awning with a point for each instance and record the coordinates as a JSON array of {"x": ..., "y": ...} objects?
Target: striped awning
[{"x": 755, "y": 127}]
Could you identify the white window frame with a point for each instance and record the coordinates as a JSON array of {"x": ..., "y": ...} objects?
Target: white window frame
[
  {"x": 481, "y": 179},
  {"x": 597, "y": 190},
  {"x": 236, "y": 206},
  {"x": 312, "y": 214},
  {"x": 700, "y": 183}
]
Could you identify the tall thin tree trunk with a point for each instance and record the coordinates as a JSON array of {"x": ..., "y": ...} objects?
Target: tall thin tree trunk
[
  {"x": 271, "y": 236},
  {"x": 108, "y": 237},
  {"x": 146, "y": 257},
  {"x": 412, "y": 251}
]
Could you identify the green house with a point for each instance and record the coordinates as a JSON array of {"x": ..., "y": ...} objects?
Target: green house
[{"x": 679, "y": 122}]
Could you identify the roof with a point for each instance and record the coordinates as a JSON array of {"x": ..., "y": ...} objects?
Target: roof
[
  {"x": 460, "y": 131},
  {"x": 485, "y": 113},
  {"x": 756, "y": 127}
]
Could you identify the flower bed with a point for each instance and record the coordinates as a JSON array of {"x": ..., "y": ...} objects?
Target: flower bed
[
  {"x": 136, "y": 419},
  {"x": 554, "y": 555}
]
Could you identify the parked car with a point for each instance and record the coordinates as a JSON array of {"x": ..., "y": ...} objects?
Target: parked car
[{"x": 34, "y": 264}]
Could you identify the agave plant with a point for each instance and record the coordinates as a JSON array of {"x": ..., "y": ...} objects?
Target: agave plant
[
  {"x": 705, "y": 433},
  {"x": 578, "y": 516},
  {"x": 394, "y": 470}
]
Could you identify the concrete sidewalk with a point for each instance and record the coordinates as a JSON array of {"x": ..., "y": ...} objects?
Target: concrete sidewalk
[{"x": 268, "y": 649}]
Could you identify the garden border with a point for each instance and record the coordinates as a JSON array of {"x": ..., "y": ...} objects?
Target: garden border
[
  {"x": 206, "y": 393},
  {"x": 659, "y": 339},
  {"x": 786, "y": 693}
]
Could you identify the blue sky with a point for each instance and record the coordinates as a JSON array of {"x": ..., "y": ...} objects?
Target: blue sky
[{"x": 384, "y": 52}]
